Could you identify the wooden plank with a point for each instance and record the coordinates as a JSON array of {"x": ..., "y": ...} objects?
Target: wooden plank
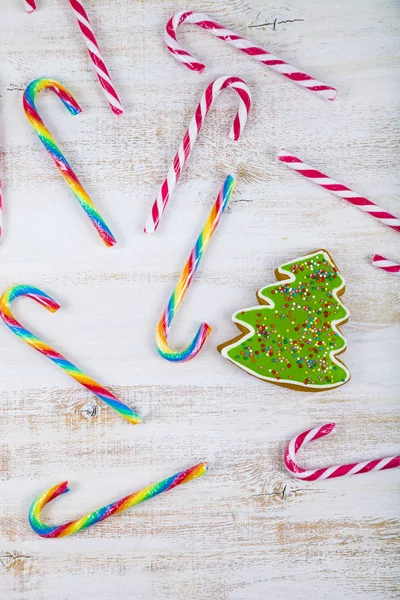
[{"x": 247, "y": 530}]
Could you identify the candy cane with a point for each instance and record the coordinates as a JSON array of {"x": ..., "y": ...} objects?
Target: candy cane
[
  {"x": 41, "y": 346},
  {"x": 385, "y": 264},
  {"x": 339, "y": 190},
  {"x": 96, "y": 57},
  {"x": 306, "y": 437},
  {"x": 240, "y": 43},
  {"x": 29, "y": 5},
  {"x": 101, "y": 514},
  {"x": 94, "y": 52},
  {"x": 61, "y": 162},
  {"x": 206, "y": 102},
  {"x": 186, "y": 279}
]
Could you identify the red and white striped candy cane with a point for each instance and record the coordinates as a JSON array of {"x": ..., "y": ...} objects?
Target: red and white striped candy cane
[
  {"x": 240, "y": 43},
  {"x": 30, "y": 5},
  {"x": 339, "y": 190},
  {"x": 379, "y": 464},
  {"x": 95, "y": 55},
  {"x": 206, "y": 102},
  {"x": 385, "y": 264}
]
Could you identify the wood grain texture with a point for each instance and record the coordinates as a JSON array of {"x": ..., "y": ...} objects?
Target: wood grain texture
[{"x": 246, "y": 530}]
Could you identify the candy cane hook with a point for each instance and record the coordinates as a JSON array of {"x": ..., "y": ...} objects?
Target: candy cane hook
[
  {"x": 101, "y": 514},
  {"x": 240, "y": 43},
  {"x": 41, "y": 346},
  {"x": 61, "y": 162},
  {"x": 186, "y": 279},
  {"x": 30, "y": 5},
  {"x": 385, "y": 264},
  {"x": 306, "y": 437},
  {"x": 206, "y": 102}
]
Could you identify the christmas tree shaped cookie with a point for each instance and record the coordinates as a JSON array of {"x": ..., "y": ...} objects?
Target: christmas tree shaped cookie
[{"x": 292, "y": 339}]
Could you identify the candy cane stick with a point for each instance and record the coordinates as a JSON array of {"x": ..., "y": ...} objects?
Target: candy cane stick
[
  {"x": 61, "y": 162},
  {"x": 101, "y": 514},
  {"x": 339, "y": 190},
  {"x": 96, "y": 57},
  {"x": 29, "y": 5},
  {"x": 186, "y": 279},
  {"x": 240, "y": 43},
  {"x": 206, "y": 102},
  {"x": 385, "y": 264},
  {"x": 306, "y": 437},
  {"x": 94, "y": 52},
  {"x": 41, "y": 346}
]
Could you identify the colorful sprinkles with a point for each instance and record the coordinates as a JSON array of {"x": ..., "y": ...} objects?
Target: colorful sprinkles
[{"x": 294, "y": 339}]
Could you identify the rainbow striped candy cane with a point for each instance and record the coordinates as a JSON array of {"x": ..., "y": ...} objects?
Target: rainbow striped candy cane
[
  {"x": 61, "y": 162},
  {"x": 33, "y": 341},
  {"x": 240, "y": 43},
  {"x": 379, "y": 464},
  {"x": 101, "y": 514},
  {"x": 186, "y": 279}
]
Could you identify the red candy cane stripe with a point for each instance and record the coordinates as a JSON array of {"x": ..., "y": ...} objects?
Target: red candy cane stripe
[
  {"x": 95, "y": 55},
  {"x": 240, "y": 43},
  {"x": 29, "y": 5},
  {"x": 379, "y": 464},
  {"x": 339, "y": 190},
  {"x": 206, "y": 102},
  {"x": 386, "y": 265}
]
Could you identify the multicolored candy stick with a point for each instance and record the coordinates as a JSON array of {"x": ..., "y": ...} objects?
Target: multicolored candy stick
[
  {"x": 95, "y": 56},
  {"x": 385, "y": 264},
  {"x": 186, "y": 279},
  {"x": 101, "y": 514},
  {"x": 29, "y": 5},
  {"x": 33, "y": 341},
  {"x": 34, "y": 88},
  {"x": 240, "y": 43},
  {"x": 210, "y": 95},
  {"x": 338, "y": 189},
  {"x": 378, "y": 464}
]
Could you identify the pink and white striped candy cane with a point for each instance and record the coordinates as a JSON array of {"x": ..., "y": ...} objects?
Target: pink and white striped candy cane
[
  {"x": 379, "y": 464},
  {"x": 206, "y": 102},
  {"x": 237, "y": 41},
  {"x": 385, "y": 264},
  {"x": 95, "y": 55},
  {"x": 30, "y": 5},
  {"x": 339, "y": 190}
]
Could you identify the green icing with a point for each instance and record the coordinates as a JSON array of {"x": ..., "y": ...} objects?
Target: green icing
[{"x": 294, "y": 339}]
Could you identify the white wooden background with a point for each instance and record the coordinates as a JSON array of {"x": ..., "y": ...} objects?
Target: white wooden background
[{"x": 246, "y": 530}]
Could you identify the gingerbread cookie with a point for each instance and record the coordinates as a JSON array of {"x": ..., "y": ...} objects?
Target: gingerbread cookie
[{"x": 292, "y": 339}]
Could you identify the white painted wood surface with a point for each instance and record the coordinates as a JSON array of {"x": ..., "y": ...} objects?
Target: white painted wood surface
[{"x": 246, "y": 530}]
